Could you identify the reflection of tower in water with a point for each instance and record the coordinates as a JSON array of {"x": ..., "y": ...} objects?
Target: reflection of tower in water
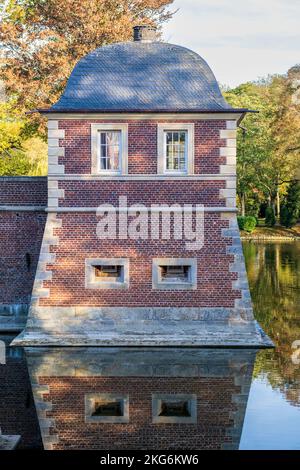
[{"x": 129, "y": 398}]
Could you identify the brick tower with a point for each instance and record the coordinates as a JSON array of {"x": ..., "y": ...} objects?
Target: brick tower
[{"x": 141, "y": 124}]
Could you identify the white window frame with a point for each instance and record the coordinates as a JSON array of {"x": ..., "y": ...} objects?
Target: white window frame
[
  {"x": 158, "y": 283},
  {"x": 92, "y": 283},
  {"x": 162, "y": 129},
  {"x": 95, "y": 148}
]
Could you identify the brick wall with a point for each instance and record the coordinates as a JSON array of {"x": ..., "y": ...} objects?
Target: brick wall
[
  {"x": 94, "y": 193},
  {"x": 21, "y": 237},
  {"x": 17, "y": 411},
  {"x": 78, "y": 241},
  {"x": 77, "y": 238},
  {"x": 23, "y": 191},
  {"x": 20, "y": 242},
  {"x": 142, "y": 145},
  {"x": 214, "y": 418}
]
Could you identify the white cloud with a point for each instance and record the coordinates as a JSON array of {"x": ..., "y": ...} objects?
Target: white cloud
[{"x": 240, "y": 40}]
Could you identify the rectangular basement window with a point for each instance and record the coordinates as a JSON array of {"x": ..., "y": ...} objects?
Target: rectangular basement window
[
  {"x": 174, "y": 273},
  {"x": 177, "y": 408},
  {"x": 106, "y": 408},
  {"x": 108, "y": 273}
]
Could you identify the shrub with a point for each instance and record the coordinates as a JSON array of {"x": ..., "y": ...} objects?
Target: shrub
[
  {"x": 241, "y": 221},
  {"x": 247, "y": 223},
  {"x": 270, "y": 219},
  {"x": 250, "y": 223}
]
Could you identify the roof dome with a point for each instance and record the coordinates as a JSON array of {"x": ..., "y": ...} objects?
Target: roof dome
[{"x": 142, "y": 76}]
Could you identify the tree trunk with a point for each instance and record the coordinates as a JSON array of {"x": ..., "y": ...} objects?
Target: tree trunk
[
  {"x": 243, "y": 204},
  {"x": 278, "y": 203}
]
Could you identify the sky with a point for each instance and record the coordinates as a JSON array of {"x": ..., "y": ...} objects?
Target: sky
[{"x": 241, "y": 40}]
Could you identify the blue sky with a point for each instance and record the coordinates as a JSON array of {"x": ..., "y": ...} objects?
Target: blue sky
[{"x": 241, "y": 40}]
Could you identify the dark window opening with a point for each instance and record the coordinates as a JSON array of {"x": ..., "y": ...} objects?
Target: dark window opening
[
  {"x": 110, "y": 408},
  {"x": 175, "y": 273},
  {"x": 109, "y": 273},
  {"x": 175, "y": 408}
]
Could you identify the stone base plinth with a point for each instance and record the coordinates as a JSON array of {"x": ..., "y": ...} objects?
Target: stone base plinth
[{"x": 107, "y": 326}]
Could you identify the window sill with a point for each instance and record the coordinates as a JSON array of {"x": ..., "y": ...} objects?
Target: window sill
[
  {"x": 174, "y": 286},
  {"x": 107, "y": 285}
]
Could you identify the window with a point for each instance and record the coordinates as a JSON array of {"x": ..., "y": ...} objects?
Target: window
[
  {"x": 174, "y": 273},
  {"x": 175, "y": 148},
  {"x": 109, "y": 148},
  {"x": 106, "y": 408},
  {"x": 177, "y": 408},
  {"x": 111, "y": 273}
]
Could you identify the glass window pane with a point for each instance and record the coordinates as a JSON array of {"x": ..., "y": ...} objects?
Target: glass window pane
[
  {"x": 169, "y": 138},
  {"x": 103, "y": 164},
  {"x": 103, "y": 138},
  {"x": 110, "y": 150},
  {"x": 176, "y": 152},
  {"x": 103, "y": 151},
  {"x": 182, "y": 137}
]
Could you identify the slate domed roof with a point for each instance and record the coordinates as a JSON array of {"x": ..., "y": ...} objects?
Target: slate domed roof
[{"x": 142, "y": 76}]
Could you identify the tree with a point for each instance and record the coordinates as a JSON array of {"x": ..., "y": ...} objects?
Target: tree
[
  {"x": 42, "y": 40},
  {"x": 20, "y": 152},
  {"x": 291, "y": 209},
  {"x": 254, "y": 139},
  {"x": 268, "y": 144}
]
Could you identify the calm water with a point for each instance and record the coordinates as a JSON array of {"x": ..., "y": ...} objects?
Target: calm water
[
  {"x": 272, "y": 418},
  {"x": 224, "y": 398}
]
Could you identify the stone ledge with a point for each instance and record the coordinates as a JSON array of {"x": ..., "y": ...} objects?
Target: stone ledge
[
  {"x": 211, "y": 340},
  {"x": 9, "y": 442}
]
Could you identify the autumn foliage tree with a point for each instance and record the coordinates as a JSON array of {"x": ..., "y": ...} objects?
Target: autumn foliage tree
[{"x": 43, "y": 39}]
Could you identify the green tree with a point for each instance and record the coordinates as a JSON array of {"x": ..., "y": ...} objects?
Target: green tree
[
  {"x": 268, "y": 142},
  {"x": 291, "y": 209},
  {"x": 270, "y": 219},
  {"x": 20, "y": 152},
  {"x": 254, "y": 143}
]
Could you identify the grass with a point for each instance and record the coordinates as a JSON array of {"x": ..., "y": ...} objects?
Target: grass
[{"x": 277, "y": 232}]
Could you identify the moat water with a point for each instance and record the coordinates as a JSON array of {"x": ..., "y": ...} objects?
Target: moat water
[{"x": 95, "y": 398}]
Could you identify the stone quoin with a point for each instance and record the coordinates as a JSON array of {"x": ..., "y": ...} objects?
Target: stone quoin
[{"x": 146, "y": 120}]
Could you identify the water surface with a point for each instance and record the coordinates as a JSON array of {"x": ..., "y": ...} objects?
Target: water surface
[
  {"x": 272, "y": 418},
  {"x": 138, "y": 398}
]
